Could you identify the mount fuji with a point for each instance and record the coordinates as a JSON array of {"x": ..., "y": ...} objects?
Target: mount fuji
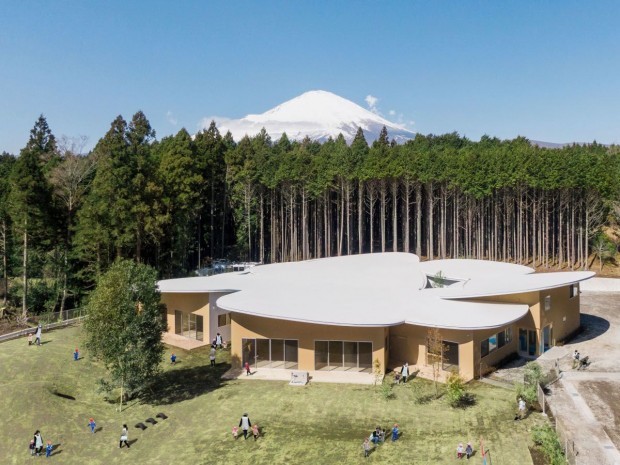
[{"x": 318, "y": 115}]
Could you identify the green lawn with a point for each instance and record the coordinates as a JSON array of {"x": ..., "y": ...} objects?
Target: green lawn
[{"x": 316, "y": 424}]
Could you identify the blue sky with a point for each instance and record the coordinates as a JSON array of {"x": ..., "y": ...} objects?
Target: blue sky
[{"x": 548, "y": 70}]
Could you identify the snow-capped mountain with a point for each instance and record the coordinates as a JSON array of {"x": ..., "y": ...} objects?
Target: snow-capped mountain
[{"x": 317, "y": 114}]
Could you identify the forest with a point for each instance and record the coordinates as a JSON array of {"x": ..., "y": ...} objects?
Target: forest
[{"x": 182, "y": 201}]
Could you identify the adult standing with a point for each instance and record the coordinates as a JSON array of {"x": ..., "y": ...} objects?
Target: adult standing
[
  {"x": 38, "y": 442},
  {"x": 405, "y": 372},
  {"x": 124, "y": 437},
  {"x": 212, "y": 356},
  {"x": 37, "y": 335},
  {"x": 245, "y": 424},
  {"x": 218, "y": 341}
]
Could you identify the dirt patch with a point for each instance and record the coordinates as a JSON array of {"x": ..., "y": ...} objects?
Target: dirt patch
[
  {"x": 538, "y": 458},
  {"x": 603, "y": 398}
]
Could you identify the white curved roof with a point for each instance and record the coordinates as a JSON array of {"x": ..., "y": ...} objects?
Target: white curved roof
[
  {"x": 468, "y": 268},
  {"x": 383, "y": 289}
]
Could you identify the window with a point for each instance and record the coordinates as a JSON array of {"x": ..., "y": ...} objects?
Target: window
[
  {"x": 343, "y": 356},
  {"x": 223, "y": 319},
  {"x": 501, "y": 339},
  {"x": 495, "y": 341},
  {"x": 547, "y": 303},
  {"x": 574, "y": 290},
  {"x": 484, "y": 348}
]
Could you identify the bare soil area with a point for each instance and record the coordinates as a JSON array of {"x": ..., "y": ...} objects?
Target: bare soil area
[{"x": 603, "y": 398}]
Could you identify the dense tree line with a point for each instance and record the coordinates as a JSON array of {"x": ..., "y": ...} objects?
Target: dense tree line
[{"x": 178, "y": 202}]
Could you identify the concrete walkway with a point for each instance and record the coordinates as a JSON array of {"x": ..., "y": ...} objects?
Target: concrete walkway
[
  {"x": 583, "y": 401},
  {"x": 274, "y": 374}
]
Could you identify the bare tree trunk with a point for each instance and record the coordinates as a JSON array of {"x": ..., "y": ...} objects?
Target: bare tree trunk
[
  {"x": 25, "y": 296},
  {"x": 394, "y": 215},
  {"x": 418, "y": 219},
  {"x": 5, "y": 274},
  {"x": 360, "y": 217}
]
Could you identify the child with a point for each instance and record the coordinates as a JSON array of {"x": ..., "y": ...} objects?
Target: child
[
  {"x": 30, "y": 339},
  {"x": 247, "y": 369},
  {"x": 92, "y": 425},
  {"x": 173, "y": 359},
  {"x": 459, "y": 451},
  {"x": 469, "y": 450},
  {"x": 76, "y": 354},
  {"x": 48, "y": 449},
  {"x": 395, "y": 432},
  {"x": 31, "y": 447},
  {"x": 366, "y": 447},
  {"x": 235, "y": 432},
  {"x": 255, "y": 431}
]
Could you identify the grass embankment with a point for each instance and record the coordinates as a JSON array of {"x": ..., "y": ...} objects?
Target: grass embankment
[{"x": 316, "y": 424}]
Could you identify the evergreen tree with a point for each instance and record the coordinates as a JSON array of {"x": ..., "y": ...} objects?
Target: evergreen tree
[{"x": 29, "y": 200}]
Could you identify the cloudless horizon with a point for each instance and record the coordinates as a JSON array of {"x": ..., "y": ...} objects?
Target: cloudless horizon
[{"x": 548, "y": 71}]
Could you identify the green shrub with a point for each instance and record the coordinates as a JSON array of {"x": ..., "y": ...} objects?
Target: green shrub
[
  {"x": 527, "y": 392},
  {"x": 456, "y": 391},
  {"x": 387, "y": 391},
  {"x": 547, "y": 441}
]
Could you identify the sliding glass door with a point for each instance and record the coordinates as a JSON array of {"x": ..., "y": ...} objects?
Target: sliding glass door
[
  {"x": 271, "y": 353},
  {"x": 343, "y": 355}
]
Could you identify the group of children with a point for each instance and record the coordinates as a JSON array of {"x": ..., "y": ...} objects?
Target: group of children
[
  {"x": 378, "y": 436},
  {"x": 464, "y": 451}
]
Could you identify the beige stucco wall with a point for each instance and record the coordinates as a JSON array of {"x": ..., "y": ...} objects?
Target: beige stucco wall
[
  {"x": 563, "y": 315},
  {"x": 248, "y": 326},
  {"x": 408, "y": 344},
  {"x": 197, "y": 303}
]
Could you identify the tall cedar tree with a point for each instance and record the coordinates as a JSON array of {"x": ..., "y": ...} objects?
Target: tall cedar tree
[
  {"x": 30, "y": 200},
  {"x": 124, "y": 327},
  {"x": 7, "y": 162}
]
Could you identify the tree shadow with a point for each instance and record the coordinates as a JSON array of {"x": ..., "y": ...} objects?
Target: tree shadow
[{"x": 184, "y": 384}]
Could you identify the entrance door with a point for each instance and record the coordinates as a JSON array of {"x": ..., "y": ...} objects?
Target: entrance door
[
  {"x": 450, "y": 356},
  {"x": 546, "y": 339},
  {"x": 528, "y": 341}
]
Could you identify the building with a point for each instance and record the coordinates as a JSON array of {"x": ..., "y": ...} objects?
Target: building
[{"x": 361, "y": 312}]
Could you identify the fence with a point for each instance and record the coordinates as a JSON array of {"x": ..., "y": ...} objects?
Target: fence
[{"x": 49, "y": 321}]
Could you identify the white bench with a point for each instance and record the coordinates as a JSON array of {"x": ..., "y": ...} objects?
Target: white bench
[{"x": 299, "y": 378}]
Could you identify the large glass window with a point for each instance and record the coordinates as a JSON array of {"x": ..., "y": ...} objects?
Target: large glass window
[
  {"x": 493, "y": 343},
  {"x": 188, "y": 325},
  {"x": 343, "y": 355},
  {"x": 484, "y": 348},
  {"x": 523, "y": 340},
  {"x": 271, "y": 353}
]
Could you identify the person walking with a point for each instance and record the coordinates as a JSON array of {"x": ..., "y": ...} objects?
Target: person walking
[
  {"x": 48, "y": 449},
  {"x": 38, "y": 442},
  {"x": 522, "y": 407},
  {"x": 405, "y": 372},
  {"x": 218, "y": 341},
  {"x": 576, "y": 359},
  {"x": 212, "y": 356},
  {"x": 469, "y": 450},
  {"x": 395, "y": 432},
  {"x": 247, "y": 368},
  {"x": 37, "y": 336},
  {"x": 76, "y": 354},
  {"x": 366, "y": 447},
  {"x": 92, "y": 424},
  {"x": 245, "y": 424},
  {"x": 124, "y": 437},
  {"x": 173, "y": 359}
]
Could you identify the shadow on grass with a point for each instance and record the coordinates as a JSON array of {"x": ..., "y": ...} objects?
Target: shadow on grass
[{"x": 186, "y": 383}]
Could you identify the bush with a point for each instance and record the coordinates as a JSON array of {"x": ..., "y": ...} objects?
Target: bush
[
  {"x": 456, "y": 392},
  {"x": 546, "y": 440},
  {"x": 527, "y": 392},
  {"x": 387, "y": 391}
]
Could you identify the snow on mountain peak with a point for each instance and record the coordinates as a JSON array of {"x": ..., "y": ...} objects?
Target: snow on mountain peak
[{"x": 316, "y": 114}]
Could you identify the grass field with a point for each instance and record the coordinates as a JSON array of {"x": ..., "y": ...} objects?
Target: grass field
[{"x": 316, "y": 424}]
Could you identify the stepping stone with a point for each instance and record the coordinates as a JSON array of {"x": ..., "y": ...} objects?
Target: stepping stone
[
  {"x": 152, "y": 421},
  {"x": 142, "y": 426},
  {"x": 163, "y": 416}
]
